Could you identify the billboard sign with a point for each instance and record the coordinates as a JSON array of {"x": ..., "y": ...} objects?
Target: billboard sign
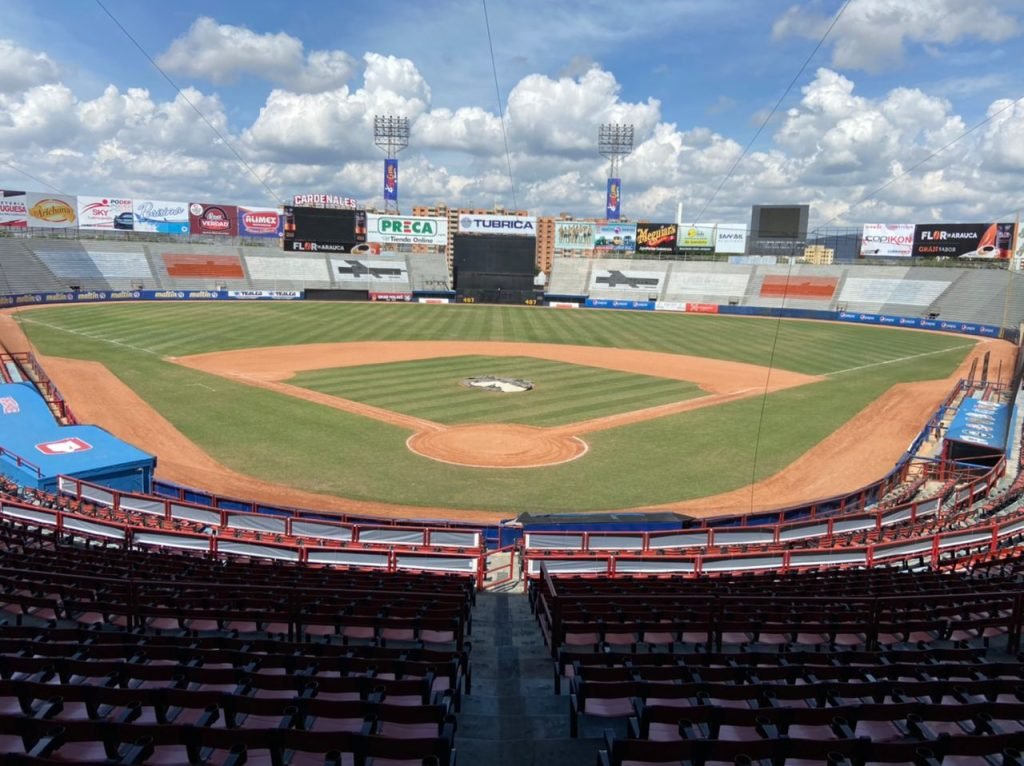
[
  {"x": 516, "y": 225},
  {"x": 221, "y": 220},
  {"x": 887, "y": 240},
  {"x": 160, "y": 216},
  {"x": 656, "y": 237},
  {"x": 406, "y": 230},
  {"x": 260, "y": 222},
  {"x": 731, "y": 238},
  {"x": 970, "y": 241},
  {"x": 105, "y": 214},
  {"x": 574, "y": 235},
  {"x": 52, "y": 211},
  {"x": 615, "y": 237},
  {"x": 696, "y": 236},
  {"x": 613, "y": 200},
  {"x": 324, "y": 200},
  {"x": 13, "y": 210},
  {"x": 391, "y": 180}
]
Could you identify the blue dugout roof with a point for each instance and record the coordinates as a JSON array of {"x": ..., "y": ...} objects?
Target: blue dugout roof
[{"x": 29, "y": 431}]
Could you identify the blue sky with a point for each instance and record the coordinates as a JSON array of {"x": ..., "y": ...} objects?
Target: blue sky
[{"x": 889, "y": 86}]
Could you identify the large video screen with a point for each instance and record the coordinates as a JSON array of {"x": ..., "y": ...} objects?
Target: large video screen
[
  {"x": 781, "y": 223},
  {"x": 324, "y": 226},
  {"x": 494, "y": 262}
]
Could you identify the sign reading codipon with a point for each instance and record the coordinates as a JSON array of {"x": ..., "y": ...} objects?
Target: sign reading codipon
[{"x": 406, "y": 230}]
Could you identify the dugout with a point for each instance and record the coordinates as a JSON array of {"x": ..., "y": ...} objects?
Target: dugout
[
  {"x": 35, "y": 449},
  {"x": 978, "y": 434}
]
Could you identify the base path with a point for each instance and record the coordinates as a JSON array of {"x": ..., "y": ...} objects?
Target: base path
[{"x": 859, "y": 452}]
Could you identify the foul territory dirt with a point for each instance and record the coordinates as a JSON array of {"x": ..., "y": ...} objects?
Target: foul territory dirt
[{"x": 854, "y": 455}]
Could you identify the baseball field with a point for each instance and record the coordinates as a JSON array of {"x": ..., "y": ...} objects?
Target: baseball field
[{"x": 364, "y": 406}]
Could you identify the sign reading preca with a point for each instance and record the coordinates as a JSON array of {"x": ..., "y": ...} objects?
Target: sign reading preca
[{"x": 406, "y": 230}]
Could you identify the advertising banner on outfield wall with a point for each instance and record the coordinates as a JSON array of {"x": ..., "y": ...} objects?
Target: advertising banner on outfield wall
[
  {"x": 574, "y": 235},
  {"x": 277, "y": 295},
  {"x": 698, "y": 237},
  {"x": 13, "y": 210},
  {"x": 615, "y": 237},
  {"x": 887, "y": 240},
  {"x": 731, "y": 238},
  {"x": 970, "y": 241},
  {"x": 52, "y": 211},
  {"x": 406, "y": 230},
  {"x": 260, "y": 222},
  {"x": 105, "y": 214},
  {"x": 515, "y": 225},
  {"x": 94, "y": 296},
  {"x": 160, "y": 216},
  {"x": 221, "y": 220},
  {"x": 656, "y": 237}
]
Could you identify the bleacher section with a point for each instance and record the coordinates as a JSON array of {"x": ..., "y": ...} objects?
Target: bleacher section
[
  {"x": 55, "y": 265},
  {"x": 952, "y": 294},
  {"x": 155, "y": 658},
  {"x": 287, "y": 272},
  {"x": 981, "y": 296},
  {"x": 123, "y": 266},
  {"x": 22, "y": 272}
]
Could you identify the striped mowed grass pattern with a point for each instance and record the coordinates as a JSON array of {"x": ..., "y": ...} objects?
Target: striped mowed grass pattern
[
  {"x": 431, "y": 389},
  {"x": 691, "y": 454},
  {"x": 815, "y": 348}
]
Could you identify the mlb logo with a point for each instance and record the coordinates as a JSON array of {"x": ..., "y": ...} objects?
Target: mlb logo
[
  {"x": 9, "y": 405},
  {"x": 67, "y": 446}
]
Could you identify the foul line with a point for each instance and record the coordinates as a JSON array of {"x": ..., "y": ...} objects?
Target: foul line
[
  {"x": 901, "y": 359},
  {"x": 91, "y": 336}
]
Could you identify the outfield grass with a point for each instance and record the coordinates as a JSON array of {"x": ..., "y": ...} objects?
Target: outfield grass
[
  {"x": 683, "y": 456},
  {"x": 431, "y": 389}
]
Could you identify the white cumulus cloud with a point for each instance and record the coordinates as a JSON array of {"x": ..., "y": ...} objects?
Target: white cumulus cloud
[{"x": 220, "y": 53}]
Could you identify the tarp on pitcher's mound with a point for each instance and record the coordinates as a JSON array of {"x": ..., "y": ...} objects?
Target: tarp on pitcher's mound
[{"x": 35, "y": 449}]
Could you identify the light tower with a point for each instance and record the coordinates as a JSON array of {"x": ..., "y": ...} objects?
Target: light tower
[
  {"x": 391, "y": 135},
  {"x": 614, "y": 141}
]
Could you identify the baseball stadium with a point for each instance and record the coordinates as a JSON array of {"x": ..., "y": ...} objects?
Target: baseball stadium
[{"x": 323, "y": 483}]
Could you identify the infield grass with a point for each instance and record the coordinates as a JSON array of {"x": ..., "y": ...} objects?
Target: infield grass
[
  {"x": 432, "y": 389},
  {"x": 283, "y": 439}
]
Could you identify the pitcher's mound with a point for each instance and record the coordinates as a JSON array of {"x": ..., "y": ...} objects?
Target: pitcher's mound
[{"x": 488, "y": 445}]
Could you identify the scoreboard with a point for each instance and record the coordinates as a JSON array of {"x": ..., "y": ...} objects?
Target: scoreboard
[{"x": 317, "y": 229}]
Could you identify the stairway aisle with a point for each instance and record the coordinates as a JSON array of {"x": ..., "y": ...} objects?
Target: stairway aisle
[{"x": 512, "y": 716}]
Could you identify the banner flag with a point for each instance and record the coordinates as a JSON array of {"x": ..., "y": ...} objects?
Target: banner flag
[
  {"x": 613, "y": 200},
  {"x": 391, "y": 180}
]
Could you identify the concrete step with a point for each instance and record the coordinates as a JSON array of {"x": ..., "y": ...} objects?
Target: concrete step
[{"x": 512, "y": 716}]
